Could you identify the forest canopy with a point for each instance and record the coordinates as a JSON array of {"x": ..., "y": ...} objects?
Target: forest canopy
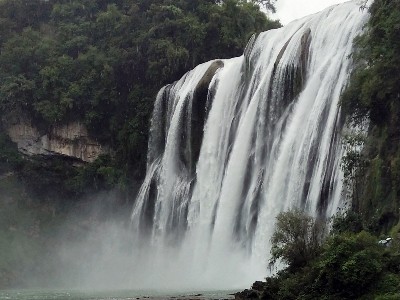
[{"x": 102, "y": 62}]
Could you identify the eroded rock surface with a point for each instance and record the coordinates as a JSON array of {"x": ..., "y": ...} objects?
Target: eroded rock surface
[{"x": 70, "y": 140}]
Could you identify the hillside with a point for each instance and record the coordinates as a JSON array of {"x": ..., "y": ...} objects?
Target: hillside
[{"x": 78, "y": 81}]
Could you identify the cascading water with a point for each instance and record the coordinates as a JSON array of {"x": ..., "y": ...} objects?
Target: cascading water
[{"x": 237, "y": 141}]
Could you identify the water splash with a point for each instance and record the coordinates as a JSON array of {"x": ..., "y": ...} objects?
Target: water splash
[{"x": 233, "y": 143}]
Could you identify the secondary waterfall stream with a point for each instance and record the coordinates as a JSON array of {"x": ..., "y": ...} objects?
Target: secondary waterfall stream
[{"x": 235, "y": 142}]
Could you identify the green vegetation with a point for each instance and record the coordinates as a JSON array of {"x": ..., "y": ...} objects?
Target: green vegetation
[
  {"x": 374, "y": 93},
  {"x": 102, "y": 63},
  {"x": 350, "y": 263},
  {"x": 10, "y": 159},
  {"x": 297, "y": 239},
  {"x": 346, "y": 265},
  {"x": 350, "y": 266}
]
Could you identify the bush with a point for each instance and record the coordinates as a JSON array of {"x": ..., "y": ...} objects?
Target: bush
[
  {"x": 346, "y": 266},
  {"x": 350, "y": 264},
  {"x": 349, "y": 221},
  {"x": 297, "y": 238}
]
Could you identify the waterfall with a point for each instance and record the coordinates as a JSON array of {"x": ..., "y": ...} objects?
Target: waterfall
[{"x": 233, "y": 143}]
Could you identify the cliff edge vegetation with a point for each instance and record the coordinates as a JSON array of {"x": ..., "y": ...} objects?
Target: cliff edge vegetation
[{"x": 101, "y": 63}]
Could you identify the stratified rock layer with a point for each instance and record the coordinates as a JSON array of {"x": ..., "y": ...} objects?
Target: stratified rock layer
[{"x": 71, "y": 140}]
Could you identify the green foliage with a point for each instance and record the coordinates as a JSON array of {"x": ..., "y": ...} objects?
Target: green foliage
[
  {"x": 352, "y": 161},
  {"x": 393, "y": 296},
  {"x": 374, "y": 86},
  {"x": 102, "y": 63},
  {"x": 374, "y": 93},
  {"x": 49, "y": 179},
  {"x": 348, "y": 221},
  {"x": 10, "y": 158},
  {"x": 267, "y": 4},
  {"x": 98, "y": 175},
  {"x": 348, "y": 266},
  {"x": 297, "y": 238},
  {"x": 47, "y": 175}
]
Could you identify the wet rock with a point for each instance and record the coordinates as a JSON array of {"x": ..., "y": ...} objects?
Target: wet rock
[
  {"x": 198, "y": 111},
  {"x": 248, "y": 294},
  {"x": 258, "y": 286},
  {"x": 68, "y": 140}
]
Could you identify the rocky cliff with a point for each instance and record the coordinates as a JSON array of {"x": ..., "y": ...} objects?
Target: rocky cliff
[{"x": 71, "y": 140}]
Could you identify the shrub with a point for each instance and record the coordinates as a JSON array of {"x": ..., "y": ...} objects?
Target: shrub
[
  {"x": 350, "y": 264},
  {"x": 297, "y": 238}
]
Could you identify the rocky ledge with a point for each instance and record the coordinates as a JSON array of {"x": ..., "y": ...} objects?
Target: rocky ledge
[
  {"x": 70, "y": 140},
  {"x": 255, "y": 292}
]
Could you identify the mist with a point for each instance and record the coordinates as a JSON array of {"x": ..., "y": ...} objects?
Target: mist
[
  {"x": 92, "y": 248},
  {"x": 214, "y": 235},
  {"x": 90, "y": 244}
]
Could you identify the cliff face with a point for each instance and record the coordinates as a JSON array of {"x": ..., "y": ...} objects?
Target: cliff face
[{"x": 71, "y": 140}]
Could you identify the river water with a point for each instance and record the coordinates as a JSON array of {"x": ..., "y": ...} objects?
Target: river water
[{"x": 111, "y": 295}]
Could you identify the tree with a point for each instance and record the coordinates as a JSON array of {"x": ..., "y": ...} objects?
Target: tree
[
  {"x": 297, "y": 238},
  {"x": 102, "y": 62},
  {"x": 374, "y": 88},
  {"x": 267, "y": 4},
  {"x": 374, "y": 93},
  {"x": 350, "y": 264}
]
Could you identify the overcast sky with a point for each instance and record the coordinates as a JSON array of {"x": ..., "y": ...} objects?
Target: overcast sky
[{"x": 288, "y": 10}]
